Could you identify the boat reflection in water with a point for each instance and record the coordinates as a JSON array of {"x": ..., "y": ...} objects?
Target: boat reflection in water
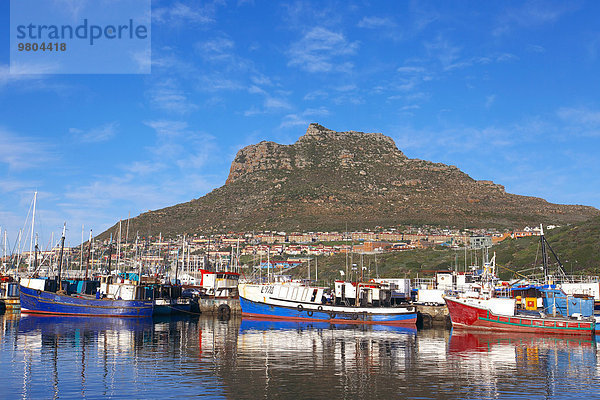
[
  {"x": 66, "y": 325},
  {"x": 504, "y": 364},
  {"x": 79, "y": 357},
  {"x": 253, "y": 324},
  {"x": 311, "y": 359},
  {"x": 184, "y": 357}
]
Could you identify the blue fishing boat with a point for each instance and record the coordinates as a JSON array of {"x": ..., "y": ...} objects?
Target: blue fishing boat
[
  {"x": 39, "y": 296},
  {"x": 352, "y": 302},
  {"x": 110, "y": 296}
]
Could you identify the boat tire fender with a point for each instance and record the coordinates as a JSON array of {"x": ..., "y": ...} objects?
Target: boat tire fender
[
  {"x": 426, "y": 320},
  {"x": 332, "y": 315},
  {"x": 309, "y": 313},
  {"x": 320, "y": 308},
  {"x": 224, "y": 312},
  {"x": 355, "y": 316},
  {"x": 300, "y": 307}
]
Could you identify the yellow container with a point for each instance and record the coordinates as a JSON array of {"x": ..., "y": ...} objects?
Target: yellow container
[{"x": 531, "y": 303}]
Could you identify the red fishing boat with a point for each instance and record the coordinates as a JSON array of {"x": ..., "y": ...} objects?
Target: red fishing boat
[
  {"x": 554, "y": 313},
  {"x": 499, "y": 314}
]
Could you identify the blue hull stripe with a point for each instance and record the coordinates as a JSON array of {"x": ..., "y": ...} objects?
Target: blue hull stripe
[
  {"x": 38, "y": 301},
  {"x": 271, "y": 311}
]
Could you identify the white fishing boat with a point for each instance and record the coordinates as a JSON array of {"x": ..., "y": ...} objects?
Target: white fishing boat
[{"x": 351, "y": 302}]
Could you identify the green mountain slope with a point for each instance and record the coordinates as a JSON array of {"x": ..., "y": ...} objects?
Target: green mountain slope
[{"x": 577, "y": 246}]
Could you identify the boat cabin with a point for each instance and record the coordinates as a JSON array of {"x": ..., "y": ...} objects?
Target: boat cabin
[{"x": 362, "y": 294}]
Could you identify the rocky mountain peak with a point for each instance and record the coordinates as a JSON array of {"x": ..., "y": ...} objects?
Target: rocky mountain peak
[
  {"x": 320, "y": 148},
  {"x": 320, "y": 133}
]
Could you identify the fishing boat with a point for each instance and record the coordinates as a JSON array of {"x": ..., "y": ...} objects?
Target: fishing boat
[
  {"x": 500, "y": 314},
  {"x": 216, "y": 284},
  {"x": 555, "y": 313},
  {"x": 107, "y": 297},
  {"x": 169, "y": 299},
  {"x": 351, "y": 302},
  {"x": 9, "y": 293}
]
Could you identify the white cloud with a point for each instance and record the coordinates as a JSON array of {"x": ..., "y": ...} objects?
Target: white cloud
[
  {"x": 410, "y": 107},
  {"x": 376, "y": 22},
  {"x": 217, "y": 49},
  {"x": 319, "y": 50},
  {"x": 532, "y": 14},
  {"x": 167, "y": 173},
  {"x": 180, "y": 13},
  {"x": 443, "y": 51},
  {"x": 35, "y": 68},
  {"x": 580, "y": 121},
  {"x": 168, "y": 128},
  {"x": 480, "y": 60},
  {"x": 169, "y": 97},
  {"x": 21, "y": 152},
  {"x": 261, "y": 80},
  {"x": 410, "y": 70},
  {"x": 216, "y": 82},
  {"x": 316, "y": 94},
  {"x": 95, "y": 135},
  {"x": 534, "y": 48},
  {"x": 304, "y": 118},
  {"x": 580, "y": 116},
  {"x": 272, "y": 103},
  {"x": 144, "y": 167},
  {"x": 35, "y": 81}
]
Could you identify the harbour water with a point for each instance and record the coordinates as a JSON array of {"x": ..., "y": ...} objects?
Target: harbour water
[{"x": 67, "y": 357}]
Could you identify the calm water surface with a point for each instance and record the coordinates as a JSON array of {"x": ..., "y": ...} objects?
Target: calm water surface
[{"x": 49, "y": 357}]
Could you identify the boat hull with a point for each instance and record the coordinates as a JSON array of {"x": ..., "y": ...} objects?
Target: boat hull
[
  {"x": 331, "y": 314},
  {"x": 35, "y": 301},
  {"x": 171, "y": 306},
  {"x": 471, "y": 317}
]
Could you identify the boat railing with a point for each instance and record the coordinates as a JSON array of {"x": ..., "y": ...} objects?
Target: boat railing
[
  {"x": 503, "y": 291},
  {"x": 580, "y": 279},
  {"x": 424, "y": 283}
]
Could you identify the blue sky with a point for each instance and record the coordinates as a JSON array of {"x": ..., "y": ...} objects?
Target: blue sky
[{"x": 506, "y": 91}]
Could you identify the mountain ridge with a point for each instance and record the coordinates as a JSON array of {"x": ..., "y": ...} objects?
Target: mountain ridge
[{"x": 330, "y": 180}]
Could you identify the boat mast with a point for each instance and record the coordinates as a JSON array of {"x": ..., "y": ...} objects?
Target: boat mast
[
  {"x": 81, "y": 252},
  {"x": 346, "y": 249},
  {"x": 176, "y": 267},
  {"x": 544, "y": 255},
  {"x": 32, "y": 229},
  {"x": 35, "y": 251},
  {"x": 4, "y": 258},
  {"x": 60, "y": 257},
  {"x": 237, "y": 257},
  {"x": 139, "y": 259},
  {"x": 159, "y": 244},
  {"x": 182, "y": 258},
  {"x": 87, "y": 264},
  {"x": 109, "y": 254},
  {"x": 127, "y": 230},
  {"x": 119, "y": 247}
]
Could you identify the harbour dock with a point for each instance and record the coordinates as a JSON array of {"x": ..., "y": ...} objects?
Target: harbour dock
[{"x": 429, "y": 316}]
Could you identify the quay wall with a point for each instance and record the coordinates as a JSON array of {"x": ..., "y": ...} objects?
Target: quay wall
[
  {"x": 430, "y": 316},
  {"x": 211, "y": 305}
]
